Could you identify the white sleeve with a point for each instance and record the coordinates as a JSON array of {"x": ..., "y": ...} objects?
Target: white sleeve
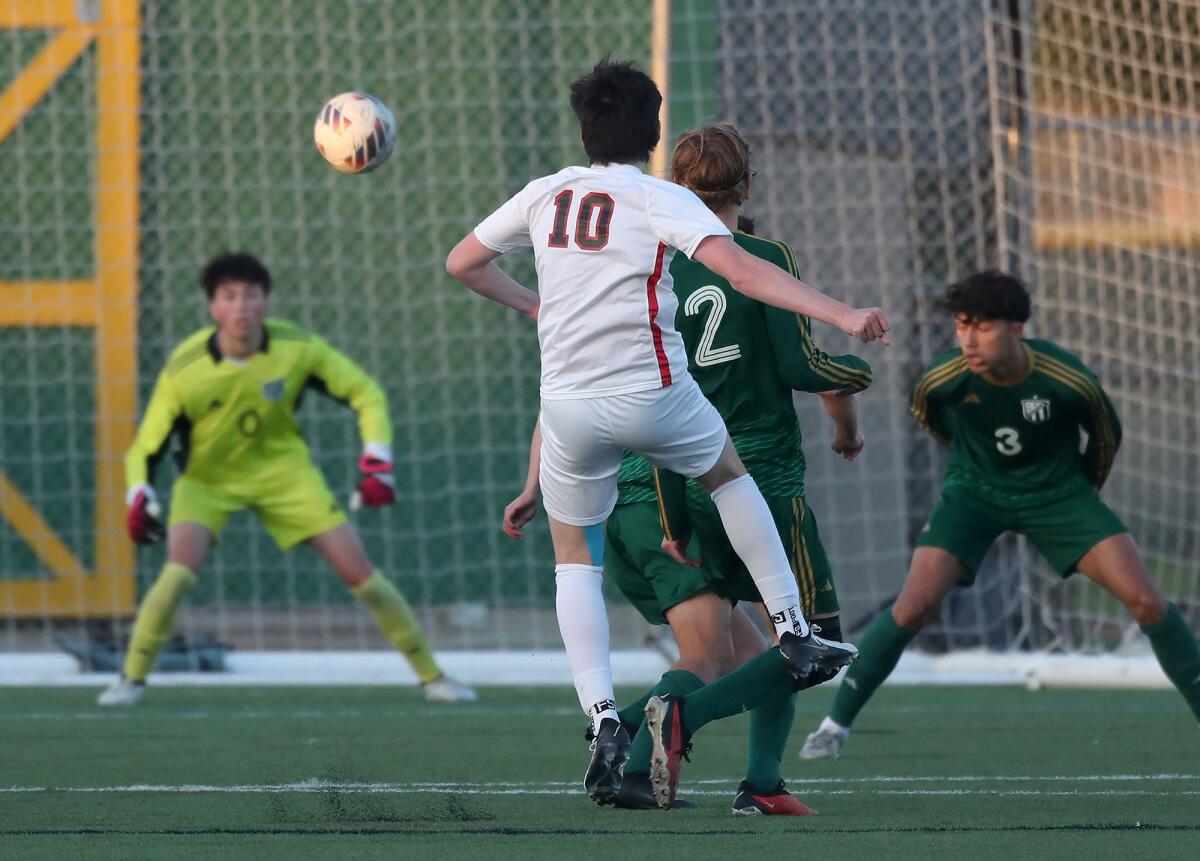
[
  {"x": 679, "y": 219},
  {"x": 506, "y": 229}
]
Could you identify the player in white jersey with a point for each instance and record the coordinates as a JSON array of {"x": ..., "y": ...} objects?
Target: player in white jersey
[{"x": 614, "y": 373}]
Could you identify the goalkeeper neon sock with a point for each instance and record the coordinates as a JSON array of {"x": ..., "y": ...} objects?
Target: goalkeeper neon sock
[
  {"x": 583, "y": 624},
  {"x": 753, "y": 535},
  {"x": 395, "y": 619},
  {"x": 755, "y": 682},
  {"x": 1175, "y": 647},
  {"x": 679, "y": 682},
  {"x": 770, "y": 727},
  {"x": 878, "y": 652},
  {"x": 156, "y": 618}
]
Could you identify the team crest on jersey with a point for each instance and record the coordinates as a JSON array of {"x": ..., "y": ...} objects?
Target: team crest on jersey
[
  {"x": 273, "y": 391},
  {"x": 1035, "y": 410}
]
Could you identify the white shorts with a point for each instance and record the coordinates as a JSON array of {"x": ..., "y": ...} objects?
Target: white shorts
[{"x": 675, "y": 428}]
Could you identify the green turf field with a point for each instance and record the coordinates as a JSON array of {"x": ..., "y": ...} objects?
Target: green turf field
[{"x": 378, "y": 773}]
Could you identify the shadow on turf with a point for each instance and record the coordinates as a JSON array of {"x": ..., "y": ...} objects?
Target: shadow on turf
[{"x": 337, "y": 807}]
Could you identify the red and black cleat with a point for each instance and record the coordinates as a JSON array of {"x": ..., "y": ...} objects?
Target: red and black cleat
[
  {"x": 664, "y": 719},
  {"x": 777, "y": 802}
]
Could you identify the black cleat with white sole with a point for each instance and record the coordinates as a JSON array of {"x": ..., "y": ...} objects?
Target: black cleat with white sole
[
  {"x": 610, "y": 751},
  {"x": 814, "y": 660}
]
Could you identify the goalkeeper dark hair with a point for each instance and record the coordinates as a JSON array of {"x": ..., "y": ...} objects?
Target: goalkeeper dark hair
[
  {"x": 235, "y": 266},
  {"x": 988, "y": 295},
  {"x": 617, "y": 106}
]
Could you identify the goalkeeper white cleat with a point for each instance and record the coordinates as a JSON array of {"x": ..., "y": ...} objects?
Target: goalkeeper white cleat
[
  {"x": 825, "y": 743},
  {"x": 444, "y": 689},
  {"x": 122, "y": 692}
]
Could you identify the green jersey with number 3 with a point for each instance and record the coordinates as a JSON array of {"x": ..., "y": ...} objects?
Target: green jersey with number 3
[{"x": 1021, "y": 441}]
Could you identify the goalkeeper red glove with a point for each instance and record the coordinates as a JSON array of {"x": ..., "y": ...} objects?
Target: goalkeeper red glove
[
  {"x": 142, "y": 521},
  {"x": 378, "y": 486}
]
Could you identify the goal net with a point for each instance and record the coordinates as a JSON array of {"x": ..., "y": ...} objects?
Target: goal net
[{"x": 899, "y": 145}]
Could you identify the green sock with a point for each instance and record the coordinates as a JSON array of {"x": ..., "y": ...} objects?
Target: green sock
[
  {"x": 770, "y": 727},
  {"x": 633, "y": 714},
  {"x": 755, "y": 682},
  {"x": 878, "y": 651},
  {"x": 672, "y": 682},
  {"x": 1175, "y": 647},
  {"x": 156, "y": 618},
  {"x": 397, "y": 622}
]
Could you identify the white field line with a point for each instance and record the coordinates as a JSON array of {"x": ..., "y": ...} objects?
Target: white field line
[
  {"x": 833, "y": 786},
  {"x": 119, "y": 713}
]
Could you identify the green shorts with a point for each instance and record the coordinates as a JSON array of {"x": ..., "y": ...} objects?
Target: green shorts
[
  {"x": 293, "y": 508},
  {"x": 634, "y": 560},
  {"x": 965, "y": 524},
  {"x": 797, "y": 527}
]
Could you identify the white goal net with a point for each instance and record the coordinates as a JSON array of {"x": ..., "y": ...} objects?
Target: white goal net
[{"x": 899, "y": 146}]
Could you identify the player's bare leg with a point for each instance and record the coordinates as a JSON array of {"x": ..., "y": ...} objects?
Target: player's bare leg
[
  {"x": 752, "y": 533},
  {"x": 187, "y": 546},
  {"x": 583, "y": 624},
  {"x": 931, "y": 576},
  {"x": 1116, "y": 565},
  {"x": 343, "y": 550}
]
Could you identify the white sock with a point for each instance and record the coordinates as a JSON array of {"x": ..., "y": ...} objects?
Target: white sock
[
  {"x": 751, "y": 531},
  {"x": 583, "y": 623},
  {"x": 829, "y": 724}
]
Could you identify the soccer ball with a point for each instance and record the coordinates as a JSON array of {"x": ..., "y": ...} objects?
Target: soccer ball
[{"x": 355, "y": 132}]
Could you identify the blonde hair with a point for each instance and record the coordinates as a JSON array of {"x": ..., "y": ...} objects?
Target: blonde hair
[{"x": 714, "y": 162}]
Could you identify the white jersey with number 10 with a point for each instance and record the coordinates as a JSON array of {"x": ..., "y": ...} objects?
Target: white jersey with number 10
[{"x": 602, "y": 238}]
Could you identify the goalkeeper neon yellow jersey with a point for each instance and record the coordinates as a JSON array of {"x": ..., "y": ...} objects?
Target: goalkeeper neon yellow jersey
[{"x": 237, "y": 421}]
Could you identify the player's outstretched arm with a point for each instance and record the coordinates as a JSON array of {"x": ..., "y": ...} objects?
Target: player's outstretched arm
[
  {"x": 474, "y": 264},
  {"x": 766, "y": 282},
  {"x": 143, "y": 520},
  {"x": 337, "y": 375},
  {"x": 522, "y": 509}
]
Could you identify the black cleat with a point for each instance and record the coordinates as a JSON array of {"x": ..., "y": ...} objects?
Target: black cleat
[
  {"x": 637, "y": 793},
  {"x": 610, "y": 751},
  {"x": 813, "y": 660}
]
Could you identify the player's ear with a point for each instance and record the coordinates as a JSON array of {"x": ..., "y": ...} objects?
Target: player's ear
[{"x": 1017, "y": 330}]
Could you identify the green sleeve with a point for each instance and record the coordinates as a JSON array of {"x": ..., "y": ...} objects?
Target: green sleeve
[
  {"x": 1104, "y": 433},
  {"x": 672, "y": 503},
  {"x": 805, "y": 368},
  {"x": 334, "y": 374},
  {"x": 164, "y": 409},
  {"x": 801, "y": 365},
  {"x": 926, "y": 407}
]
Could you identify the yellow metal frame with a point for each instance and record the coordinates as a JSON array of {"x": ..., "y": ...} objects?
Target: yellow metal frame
[{"x": 108, "y": 303}]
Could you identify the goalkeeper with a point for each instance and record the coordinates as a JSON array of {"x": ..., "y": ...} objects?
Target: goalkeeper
[{"x": 230, "y": 393}]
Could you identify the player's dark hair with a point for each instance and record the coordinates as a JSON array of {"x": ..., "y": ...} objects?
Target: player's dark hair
[
  {"x": 617, "y": 106},
  {"x": 745, "y": 224},
  {"x": 714, "y": 162},
  {"x": 235, "y": 266},
  {"x": 988, "y": 295}
]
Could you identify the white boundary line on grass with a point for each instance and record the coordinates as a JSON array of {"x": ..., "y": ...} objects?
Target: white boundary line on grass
[{"x": 832, "y": 786}]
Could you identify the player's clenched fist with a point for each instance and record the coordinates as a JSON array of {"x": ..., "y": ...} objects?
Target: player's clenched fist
[
  {"x": 378, "y": 485},
  {"x": 142, "y": 521},
  {"x": 867, "y": 324}
]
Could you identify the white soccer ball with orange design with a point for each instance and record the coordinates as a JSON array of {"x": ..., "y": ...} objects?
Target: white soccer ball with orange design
[{"x": 355, "y": 132}]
